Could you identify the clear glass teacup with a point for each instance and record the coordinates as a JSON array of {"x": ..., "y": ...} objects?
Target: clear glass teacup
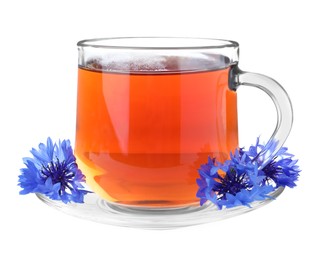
[{"x": 150, "y": 111}]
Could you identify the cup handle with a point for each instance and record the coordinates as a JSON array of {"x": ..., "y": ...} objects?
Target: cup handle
[{"x": 281, "y": 101}]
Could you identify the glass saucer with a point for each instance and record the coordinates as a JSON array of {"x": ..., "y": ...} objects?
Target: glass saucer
[{"x": 96, "y": 209}]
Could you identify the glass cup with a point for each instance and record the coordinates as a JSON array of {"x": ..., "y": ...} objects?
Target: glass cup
[{"x": 151, "y": 110}]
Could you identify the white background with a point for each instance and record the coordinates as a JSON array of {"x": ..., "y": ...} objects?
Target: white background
[{"x": 38, "y": 83}]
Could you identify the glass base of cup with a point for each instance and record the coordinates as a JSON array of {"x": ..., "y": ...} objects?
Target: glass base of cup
[{"x": 96, "y": 209}]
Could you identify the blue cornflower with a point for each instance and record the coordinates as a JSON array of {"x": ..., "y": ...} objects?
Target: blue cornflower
[
  {"x": 53, "y": 172},
  {"x": 246, "y": 177},
  {"x": 234, "y": 183},
  {"x": 282, "y": 170}
]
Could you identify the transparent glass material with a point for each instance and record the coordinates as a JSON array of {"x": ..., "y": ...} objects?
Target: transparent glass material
[
  {"x": 155, "y": 54},
  {"x": 98, "y": 210},
  {"x": 149, "y": 112}
]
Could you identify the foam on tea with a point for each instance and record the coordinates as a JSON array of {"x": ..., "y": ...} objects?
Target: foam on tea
[
  {"x": 145, "y": 126},
  {"x": 125, "y": 62}
]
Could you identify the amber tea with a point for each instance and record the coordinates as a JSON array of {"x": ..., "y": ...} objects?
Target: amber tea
[{"x": 141, "y": 137}]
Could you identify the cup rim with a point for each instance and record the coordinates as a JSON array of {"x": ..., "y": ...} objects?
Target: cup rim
[{"x": 192, "y": 43}]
